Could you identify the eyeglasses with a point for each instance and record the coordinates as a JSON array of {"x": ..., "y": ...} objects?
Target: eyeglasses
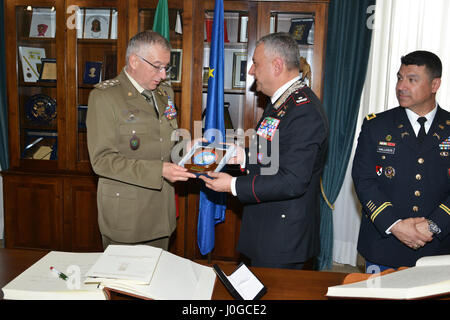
[{"x": 160, "y": 69}]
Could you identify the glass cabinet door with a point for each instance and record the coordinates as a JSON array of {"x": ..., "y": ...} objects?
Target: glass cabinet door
[
  {"x": 37, "y": 90},
  {"x": 93, "y": 56},
  {"x": 236, "y": 39},
  {"x": 306, "y": 22},
  {"x": 146, "y": 16}
]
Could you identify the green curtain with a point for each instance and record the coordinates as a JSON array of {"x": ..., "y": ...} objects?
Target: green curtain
[
  {"x": 161, "y": 22},
  {"x": 3, "y": 108},
  {"x": 348, "y": 48}
]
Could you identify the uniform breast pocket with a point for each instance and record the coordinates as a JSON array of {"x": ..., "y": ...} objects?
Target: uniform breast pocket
[
  {"x": 132, "y": 137},
  {"x": 118, "y": 206}
]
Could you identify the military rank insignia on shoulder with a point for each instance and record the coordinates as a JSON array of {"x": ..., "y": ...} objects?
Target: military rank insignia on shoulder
[
  {"x": 371, "y": 116},
  {"x": 300, "y": 97},
  {"x": 107, "y": 84}
]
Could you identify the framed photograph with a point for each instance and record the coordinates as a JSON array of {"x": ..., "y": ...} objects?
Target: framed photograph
[
  {"x": 92, "y": 72},
  {"x": 176, "y": 60},
  {"x": 243, "y": 32},
  {"x": 96, "y": 24},
  {"x": 48, "y": 70},
  {"x": 43, "y": 23},
  {"x": 239, "y": 70}
]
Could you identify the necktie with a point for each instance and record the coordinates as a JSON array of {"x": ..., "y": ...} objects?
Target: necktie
[
  {"x": 149, "y": 97},
  {"x": 422, "y": 134}
]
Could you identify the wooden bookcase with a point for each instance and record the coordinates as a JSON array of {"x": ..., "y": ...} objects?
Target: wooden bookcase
[{"x": 50, "y": 188}]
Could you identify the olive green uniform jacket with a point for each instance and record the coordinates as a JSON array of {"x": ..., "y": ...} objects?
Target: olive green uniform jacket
[{"x": 135, "y": 203}]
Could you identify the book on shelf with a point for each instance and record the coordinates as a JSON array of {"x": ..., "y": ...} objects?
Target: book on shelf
[
  {"x": 430, "y": 277},
  {"x": 39, "y": 282},
  {"x": 151, "y": 273}
]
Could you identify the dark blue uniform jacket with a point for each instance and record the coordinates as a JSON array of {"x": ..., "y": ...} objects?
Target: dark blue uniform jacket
[{"x": 396, "y": 178}]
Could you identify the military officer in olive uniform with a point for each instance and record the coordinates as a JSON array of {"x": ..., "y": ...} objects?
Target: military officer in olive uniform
[
  {"x": 401, "y": 171},
  {"x": 130, "y": 121}
]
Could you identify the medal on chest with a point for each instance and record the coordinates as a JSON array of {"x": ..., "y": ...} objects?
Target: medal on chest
[{"x": 171, "y": 111}]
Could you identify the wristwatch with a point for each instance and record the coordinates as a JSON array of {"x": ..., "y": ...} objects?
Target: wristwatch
[{"x": 432, "y": 227}]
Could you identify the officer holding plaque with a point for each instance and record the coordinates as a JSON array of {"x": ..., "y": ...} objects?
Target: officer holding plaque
[
  {"x": 281, "y": 218},
  {"x": 129, "y": 122}
]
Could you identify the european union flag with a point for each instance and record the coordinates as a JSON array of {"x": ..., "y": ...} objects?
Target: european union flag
[{"x": 212, "y": 204}]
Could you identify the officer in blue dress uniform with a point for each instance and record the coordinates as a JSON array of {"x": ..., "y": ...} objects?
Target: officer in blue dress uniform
[
  {"x": 280, "y": 191},
  {"x": 401, "y": 171}
]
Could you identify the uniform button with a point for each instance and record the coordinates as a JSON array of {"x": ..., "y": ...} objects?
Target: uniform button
[
  {"x": 161, "y": 139},
  {"x": 421, "y": 161},
  {"x": 417, "y": 193},
  {"x": 415, "y": 208},
  {"x": 283, "y": 216},
  {"x": 418, "y": 177},
  {"x": 117, "y": 194}
]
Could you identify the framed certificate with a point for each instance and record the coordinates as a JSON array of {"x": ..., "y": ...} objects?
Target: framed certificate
[{"x": 48, "y": 70}]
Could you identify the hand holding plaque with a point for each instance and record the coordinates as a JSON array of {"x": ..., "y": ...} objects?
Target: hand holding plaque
[{"x": 204, "y": 157}]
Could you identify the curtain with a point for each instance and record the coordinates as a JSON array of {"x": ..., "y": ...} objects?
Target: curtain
[
  {"x": 3, "y": 109},
  {"x": 401, "y": 26},
  {"x": 348, "y": 48}
]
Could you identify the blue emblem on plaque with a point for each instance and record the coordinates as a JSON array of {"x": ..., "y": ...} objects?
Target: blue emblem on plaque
[
  {"x": 205, "y": 158},
  {"x": 41, "y": 110}
]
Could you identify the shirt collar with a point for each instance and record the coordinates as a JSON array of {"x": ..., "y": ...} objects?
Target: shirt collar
[
  {"x": 134, "y": 82},
  {"x": 282, "y": 89},
  {"x": 412, "y": 116}
]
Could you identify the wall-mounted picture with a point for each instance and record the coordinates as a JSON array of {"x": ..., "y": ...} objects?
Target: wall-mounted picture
[
  {"x": 239, "y": 70},
  {"x": 176, "y": 60},
  {"x": 96, "y": 24},
  {"x": 48, "y": 70},
  {"x": 92, "y": 72}
]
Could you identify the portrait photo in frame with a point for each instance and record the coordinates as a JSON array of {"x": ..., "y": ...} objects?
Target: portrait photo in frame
[
  {"x": 176, "y": 60},
  {"x": 239, "y": 70},
  {"x": 96, "y": 24},
  {"x": 48, "y": 70}
]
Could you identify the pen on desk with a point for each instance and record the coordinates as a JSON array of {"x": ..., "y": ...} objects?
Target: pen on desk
[{"x": 59, "y": 274}]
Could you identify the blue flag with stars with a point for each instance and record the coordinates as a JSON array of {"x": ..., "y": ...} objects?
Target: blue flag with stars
[{"x": 212, "y": 204}]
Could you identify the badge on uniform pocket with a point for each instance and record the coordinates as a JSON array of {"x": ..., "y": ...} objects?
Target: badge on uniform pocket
[{"x": 134, "y": 142}]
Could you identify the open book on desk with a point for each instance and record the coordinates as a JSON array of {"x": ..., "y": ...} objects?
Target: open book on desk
[
  {"x": 38, "y": 282},
  {"x": 429, "y": 278},
  {"x": 151, "y": 273}
]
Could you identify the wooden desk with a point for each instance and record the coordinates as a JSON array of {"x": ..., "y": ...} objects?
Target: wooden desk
[{"x": 282, "y": 284}]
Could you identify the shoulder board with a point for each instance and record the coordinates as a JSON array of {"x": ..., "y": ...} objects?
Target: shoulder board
[
  {"x": 164, "y": 89},
  {"x": 107, "y": 84},
  {"x": 301, "y": 97},
  {"x": 371, "y": 116},
  {"x": 295, "y": 91}
]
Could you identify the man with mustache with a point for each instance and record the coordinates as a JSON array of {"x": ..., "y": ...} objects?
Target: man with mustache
[{"x": 401, "y": 171}]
